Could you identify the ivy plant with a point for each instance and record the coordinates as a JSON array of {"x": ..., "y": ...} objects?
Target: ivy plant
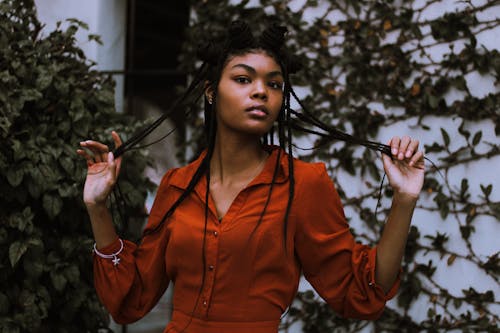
[
  {"x": 51, "y": 98},
  {"x": 369, "y": 66}
]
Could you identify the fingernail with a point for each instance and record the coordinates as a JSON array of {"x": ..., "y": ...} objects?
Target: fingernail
[
  {"x": 394, "y": 151},
  {"x": 408, "y": 153}
]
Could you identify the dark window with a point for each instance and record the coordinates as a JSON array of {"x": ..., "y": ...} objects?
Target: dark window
[{"x": 155, "y": 30}]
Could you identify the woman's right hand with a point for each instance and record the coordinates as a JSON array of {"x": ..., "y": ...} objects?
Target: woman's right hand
[{"x": 102, "y": 170}]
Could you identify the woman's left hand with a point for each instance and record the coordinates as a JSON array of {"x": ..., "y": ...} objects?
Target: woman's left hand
[{"x": 406, "y": 168}]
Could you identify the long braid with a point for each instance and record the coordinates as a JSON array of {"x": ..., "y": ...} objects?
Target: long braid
[
  {"x": 182, "y": 101},
  {"x": 291, "y": 177},
  {"x": 334, "y": 133},
  {"x": 269, "y": 193},
  {"x": 211, "y": 144}
]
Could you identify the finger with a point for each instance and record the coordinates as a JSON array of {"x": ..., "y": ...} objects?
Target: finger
[
  {"x": 98, "y": 158},
  {"x": 386, "y": 159},
  {"x": 99, "y": 150},
  {"x": 118, "y": 143},
  {"x": 95, "y": 146},
  {"x": 89, "y": 159},
  {"x": 403, "y": 146},
  {"x": 84, "y": 154},
  {"x": 116, "y": 139},
  {"x": 418, "y": 160},
  {"x": 112, "y": 165},
  {"x": 394, "y": 143},
  {"x": 412, "y": 148}
]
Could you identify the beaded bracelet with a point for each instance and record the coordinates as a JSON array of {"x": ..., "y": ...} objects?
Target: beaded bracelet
[{"x": 113, "y": 256}]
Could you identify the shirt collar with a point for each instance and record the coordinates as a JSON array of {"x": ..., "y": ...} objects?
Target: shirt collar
[{"x": 183, "y": 176}]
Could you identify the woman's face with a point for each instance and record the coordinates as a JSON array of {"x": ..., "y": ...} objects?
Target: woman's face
[{"x": 249, "y": 95}]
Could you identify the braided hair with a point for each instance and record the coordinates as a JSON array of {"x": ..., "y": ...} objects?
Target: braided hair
[{"x": 240, "y": 40}]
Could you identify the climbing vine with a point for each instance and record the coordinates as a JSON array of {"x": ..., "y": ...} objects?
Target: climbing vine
[{"x": 373, "y": 66}]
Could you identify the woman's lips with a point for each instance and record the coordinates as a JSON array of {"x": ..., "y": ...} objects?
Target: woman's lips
[{"x": 258, "y": 110}]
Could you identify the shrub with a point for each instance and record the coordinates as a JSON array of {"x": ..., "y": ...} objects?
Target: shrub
[{"x": 51, "y": 98}]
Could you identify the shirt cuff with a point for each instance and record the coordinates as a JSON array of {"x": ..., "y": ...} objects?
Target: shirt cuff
[{"x": 111, "y": 248}]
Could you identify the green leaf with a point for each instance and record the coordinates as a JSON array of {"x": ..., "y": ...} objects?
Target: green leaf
[
  {"x": 486, "y": 189},
  {"x": 34, "y": 263},
  {"x": 59, "y": 281},
  {"x": 15, "y": 176},
  {"x": 67, "y": 190},
  {"x": 446, "y": 137},
  {"x": 433, "y": 101},
  {"x": 67, "y": 164},
  {"x": 463, "y": 131},
  {"x": 30, "y": 95},
  {"x": 21, "y": 220},
  {"x": 72, "y": 274},
  {"x": 16, "y": 251},
  {"x": 95, "y": 38},
  {"x": 477, "y": 138},
  {"x": 44, "y": 80},
  {"x": 78, "y": 23},
  {"x": 52, "y": 205},
  {"x": 464, "y": 186}
]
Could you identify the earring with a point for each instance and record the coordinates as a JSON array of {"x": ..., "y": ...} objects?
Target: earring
[{"x": 210, "y": 101}]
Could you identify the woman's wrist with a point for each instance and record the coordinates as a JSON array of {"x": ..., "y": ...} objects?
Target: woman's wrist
[
  {"x": 96, "y": 206},
  {"x": 405, "y": 197}
]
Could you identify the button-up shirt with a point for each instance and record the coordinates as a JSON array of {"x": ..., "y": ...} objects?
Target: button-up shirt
[{"x": 234, "y": 275}]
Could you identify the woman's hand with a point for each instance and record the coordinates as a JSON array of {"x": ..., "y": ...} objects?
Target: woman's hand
[
  {"x": 406, "y": 168},
  {"x": 102, "y": 170}
]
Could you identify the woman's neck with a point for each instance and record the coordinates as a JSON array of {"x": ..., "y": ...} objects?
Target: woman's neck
[{"x": 235, "y": 160}]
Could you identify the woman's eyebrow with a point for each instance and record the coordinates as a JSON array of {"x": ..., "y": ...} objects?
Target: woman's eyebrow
[{"x": 253, "y": 71}]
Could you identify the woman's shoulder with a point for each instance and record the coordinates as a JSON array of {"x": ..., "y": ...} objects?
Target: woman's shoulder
[
  {"x": 301, "y": 168},
  {"x": 309, "y": 170},
  {"x": 180, "y": 176}
]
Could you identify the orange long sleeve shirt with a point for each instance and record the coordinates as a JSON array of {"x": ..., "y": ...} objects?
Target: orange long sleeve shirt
[{"x": 249, "y": 280}]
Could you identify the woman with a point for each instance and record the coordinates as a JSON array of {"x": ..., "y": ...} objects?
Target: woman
[{"x": 234, "y": 229}]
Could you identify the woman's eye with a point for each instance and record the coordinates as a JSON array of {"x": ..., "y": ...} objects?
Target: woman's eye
[
  {"x": 242, "y": 79},
  {"x": 276, "y": 85}
]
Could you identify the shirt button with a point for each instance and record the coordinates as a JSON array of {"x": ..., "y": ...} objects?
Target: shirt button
[
  {"x": 211, "y": 267},
  {"x": 205, "y": 303},
  {"x": 216, "y": 233}
]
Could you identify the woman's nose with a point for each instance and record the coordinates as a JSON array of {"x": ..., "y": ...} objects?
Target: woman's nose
[{"x": 259, "y": 90}]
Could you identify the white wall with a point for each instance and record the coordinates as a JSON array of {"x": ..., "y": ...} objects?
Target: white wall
[
  {"x": 462, "y": 274},
  {"x": 106, "y": 18}
]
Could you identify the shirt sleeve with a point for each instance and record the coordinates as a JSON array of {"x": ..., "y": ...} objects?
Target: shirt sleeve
[
  {"x": 340, "y": 270},
  {"x": 130, "y": 289}
]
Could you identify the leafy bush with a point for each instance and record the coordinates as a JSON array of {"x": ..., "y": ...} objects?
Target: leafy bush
[{"x": 51, "y": 98}]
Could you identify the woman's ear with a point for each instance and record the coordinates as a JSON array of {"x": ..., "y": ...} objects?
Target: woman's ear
[{"x": 209, "y": 92}]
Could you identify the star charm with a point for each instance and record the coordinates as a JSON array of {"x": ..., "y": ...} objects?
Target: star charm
[{"x": 116, "y": 261}]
